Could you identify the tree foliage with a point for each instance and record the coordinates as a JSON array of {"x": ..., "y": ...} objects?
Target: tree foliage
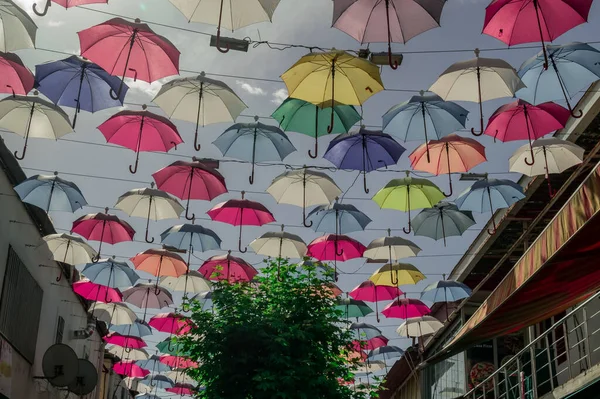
[{"x": 277, "y": 337}]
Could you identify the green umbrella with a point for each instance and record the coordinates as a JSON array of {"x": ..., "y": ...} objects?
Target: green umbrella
[
  {"x": 298, "y": 115},
  {"x": 169, "y": 347},
  {"x": 353, "y": 308}
]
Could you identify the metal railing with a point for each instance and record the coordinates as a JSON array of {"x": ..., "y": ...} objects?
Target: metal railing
[{"x": 568, "y": 348}]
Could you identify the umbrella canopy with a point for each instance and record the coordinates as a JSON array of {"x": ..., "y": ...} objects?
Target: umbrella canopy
[
  {"x": 110, "y": 273},
  {"x": 117, "y": 314},
  {"x": 408, "y": 194},
  {"x": 171, "y": 323},
  {"x": 171, "y": 348},
  {"x": 385, "y": 352},
  {"x": 332, "y": 76},
  {"x": 353, "y": 308},
  {"x": 404, "y": 308},
  {"x": 66, "y": 4},
  {"x": 334, "y": 247},
  {"x": 370, "y": 344},
  {"x": 279, "y": 244},
  {"x": 140, "y": 131},
  {"x": 394, "y": 275},
  {"x": 365, "y": 151},
  {"x": 337, "y": 218},
  {"x": 132, "y": 355},
  {"x": 304, "y": 188},
  {"x": 445, "y": 291},
  {"x": 298, "y": 115},
  {"x": 441, "y": 221},
  {"x": 30, "y": 116},
  {"x": 449, "y": 154},
  {"x": 199, "y": 100},
  {"x": 191, "y": 237},
  {"x": 51, "y": 193},
  {"x": 138, "y": 329},
  {"x": 419, "y": 326},
  {"x": 182, "y": 389},
  {"x": 103, "y": 227},
  {"x": 370, "y": 292},
  {"x": 241, "y": 213},
  {"x": 130, "y": 369},
  {"x": 156, "y": 382},
  {"x": 254, "y": 142},
  {"x": 364, "y": 330},
  {"x": 129, "y": 49},
  {"x": 96, "y": 292},
  {"x": 227, "y": 267},
  {"x": 160, "y": 262},
  {"x": 192, "y": 281},
  {"x": 178, "y": 375},
  {"x": 150, "y": 204},
  {"x": 477, "y": 80},
  {"x": 17, "y": 29},
  {"x": 391, "y": 248},
  {"x": 148, "y": 296},
  {"x": 69, "y": 249},
  {"x": 191, "y": 180},
  {"x": 125, "y": 341},
  {"x": 177, "y": 362},
  {"x": 154, "y": 364},
  {"x": 78, "y": 83},
  {"x": 15, "y": 78}
]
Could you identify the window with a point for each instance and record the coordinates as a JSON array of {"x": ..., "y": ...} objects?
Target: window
[
  {"x": 20, "y": 307},
  {"x": 60, "y": 329}
]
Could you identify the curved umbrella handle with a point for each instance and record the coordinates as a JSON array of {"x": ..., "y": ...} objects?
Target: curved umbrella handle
[
  {"x": 187, "y": 215},
  {"x": 394, "y": 63},
  {"x": 116, "y": 95},
  {"x": 133, "y": 168},
  {"x": 218, "y": 43},
  {"x": 251, "y": 177},
  {"x": 304, "y": 219},
  {"x": 22, "y": 156},
  {"x": 481, "y": 125},
  {"x": 336, "y": 249},
  {"x": 147, "y": 240},
  {"x": 449, "y": 172},
  {"x": 240, "y": 246},
  {"x": 332, "y": 121},
  {"x": 127, "y": 349},
  {"x": 577, "y": 116},
  {"x": 197, "y": 146},
  {"x": 157, "y": 290},
  {"x": 551, "y": 191},
  {"x": 409, "y": 229},
  {"x": 44, "y": 11},
  {"x": 60, "y": 274},
  {"x": 394, "y": 280},
  {"x": 316, "y": 148},
  {"x": 545, "y": 65},
  {"x": 365, "y": 188}
]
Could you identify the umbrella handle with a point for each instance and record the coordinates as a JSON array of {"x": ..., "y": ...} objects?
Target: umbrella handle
[
  {"x": 60, "y": 274},
  {"x": 393, "y": 64},
  {"x": 187, "y": 216},
  {"x": 197, "y": 146},
  {"x": 218, "y": 41},
  {"x": 44, "y": 11},
  {"x": 332, "y": 121},
  {"x": 449, "y": 174},
  {"x": 23, "y": 152},
  {"x": 11, "y": 88},
  {"x": 551, "y": 191},
  {"x": 240, "y": 247},
  {"x": 157, "y": 290},
  {"x": 577, "y": 116},
  {"x": 147, "y": 240},
  {"x": 480, "y": 104},
  {"x": 251, "y": 177},
  {"x": 116, "y": 95},
  {"x": 133, "y": 168},
  {"x": 409, "y": 229},
  {"x": 127, "y": 350},
  {"x": 473, "y": 129},
  {"x": 365, "y": 188},
  {"x": 316, "y": 148},
  {"x": 304, "y": 220}
]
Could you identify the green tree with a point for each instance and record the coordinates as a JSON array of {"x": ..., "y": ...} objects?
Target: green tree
[{"x": 277, "y": 337}]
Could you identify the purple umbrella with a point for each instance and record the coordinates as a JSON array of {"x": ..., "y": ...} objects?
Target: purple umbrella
[
  {"x": 148, "y": 296},
  {"x": 365, "y": 150}
]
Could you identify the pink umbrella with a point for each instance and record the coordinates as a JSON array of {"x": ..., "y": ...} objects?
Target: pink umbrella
[
  {"x": 160, "y": 262},
  {"x": 130, "y": 369},
  {"x": 171, "y": 323},
  {"x": 520, "y": 120},
  {"x": 182, "y": 389},
  {"x": 132, "y": 47},
  {"x": 125, "y": 341},
  {"x": 191, "y": 180},
  {"x": 368, "y": 291},
  {"x": 177, "y": 362},
  {"x": 406, "y": 308},
  {"x": 15, "y": 78},
  {"x": 65, "y": 4},
  {"x": 103, "y": 227},
  {"x": 227, "y": 267},
  {"x": 513, "y": 21},
  {"x": 370, "y": 344},
  {"x": 96, "y": 292},
  {"x": 241, "y": 213},
  {"x": 334, "y": 247},
  {"x": 140, "y": 131}
]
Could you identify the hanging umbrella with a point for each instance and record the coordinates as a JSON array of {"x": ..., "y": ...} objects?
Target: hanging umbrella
[
  {"x": 304, "y": 188},
  {"x": 103, "y": 227},
  {"x": 365, "y": 151},
  {"x": 115, "y": 313},
  {"x": 199, "y": 100},
  {"x": 370, "y": 367},
  {"x": 441, "y": 221},
  {"x": 182, "y": 390},
  {"x": 51, "y": 193},
  {"x": 511, "y": 122},
  {"x": 17, "y": 28},
  {"x": 171, "y": 348},
  {"x": 30, "y": 116},
  {"x": 408, "y": 194},
  {"x": 171, "y": 323},
  {"x": 153, "y": 363},
  {"x": 241, "y": 213},
  {"x": 394, "y": 275},
  {"x": 15, "y": 78},
  {"x": 130, "y": 368},
  {"x": 478, "y": 80},
  {"x": 132, "y": 355},
  {"x": 298, "y": 115},
  {"x": 191, "y": 180},
  {"x": 353, "y": 308},
  {"x": 450, "y": 154},
  {"x": 157, "y": 382},
  {"x": 392, "y": 248},
  {"x": 110, "y": 273},
  {"x": 148, "y": 296},
  {"x": 489, "y": 195},
  {"x": 66, "y": 4},
  {"x": 404, "y": 308},
  {"x": 68, "y": 249},
  {"x": 254, "y": 142},
  {"x": 391, "y": 21},
  {"x": 364, "y": 330},
  {"x": 193, "y": 282},
  {"x": 419, "y": 326},
  {"x": 337, "y": 218},
  {"x": 511, "y": 21},
  {"x": 230, "y": 14},
  {"x": 413, "y": 119},
  {"x": 333, "y": 76},
  {"x": 191, "y": 237},
  {"x": 138, "y": 329},
  {"x": 334, "y": 247},
  {"x": 160, "y": 262},
  {"x": 140, "y": 131},
  {"x": 278, "y": 245},
  {"x": 445, "y": 291},
  {"x": 78, "y": 83},
  {"x": 150, "y": 204},
  {"x": 385, "y": 353},
  {"x": 125, "y": 341},
  {"x": 179, "y": 375},
  {"x": 575, "y": 66},
  {"x": 178, "y": 362},
  {"x": 559, "y": 155},
  {"x": 370, "y": 344},
  {"x": 96, "y": 292},
  {"x": 370, "y": 292},
  {"x": 131, "y": 47},
  {"x": 227, "y": 267}
]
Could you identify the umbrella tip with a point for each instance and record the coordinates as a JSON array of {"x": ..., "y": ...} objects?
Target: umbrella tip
[
  {"x": 35, "y": 92},
  {"x": 144, "y": 106},
  {"x": 137, "y": 21},
  {"x": 113, "y": 257},
  {"x": 282, "y": 227},
  {"x": 421, "y": 92},
  {"x": 151, "y": 184},
  {"x": 106, "y": 210},
  {"x": 55, "y": 173},
  {"x": 476, "y": 51},
  {"x": 202, "y": 74},
  {"x": 256, "y": 118}
]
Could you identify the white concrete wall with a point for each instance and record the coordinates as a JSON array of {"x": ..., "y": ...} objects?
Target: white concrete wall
[{"x": 58, "y": 299}]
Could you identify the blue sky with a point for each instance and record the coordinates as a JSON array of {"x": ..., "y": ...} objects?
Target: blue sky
[{"x": 306, "y": 22}]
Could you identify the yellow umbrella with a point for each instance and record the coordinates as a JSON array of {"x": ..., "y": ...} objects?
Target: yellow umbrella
[
  {"x": 333, "y": 76},
  {"x": 393, "y": 275}
]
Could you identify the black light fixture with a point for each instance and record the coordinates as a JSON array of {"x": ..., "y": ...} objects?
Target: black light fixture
[
  {"x": 473, "y": 176},
  {"x": 384, "y": 58},
  {"x": 230, "y": 43},
  {"x": 364, "y": 53}
]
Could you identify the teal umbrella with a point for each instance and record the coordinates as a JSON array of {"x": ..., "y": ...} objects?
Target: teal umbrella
[
  {"x": 313, "y": 119},
  {"x": 353, "y": 308},
  {"x": 442, "y": 220}
]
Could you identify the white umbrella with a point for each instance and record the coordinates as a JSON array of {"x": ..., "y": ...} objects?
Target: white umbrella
[
  {"x": 370, "y": 367},
  {"x": 66, "y": 248},
  {"x": 114, "y": 313},
  {"x": 149, "y": 203},
  {"x": 477, "y": 80},
  {"x": 193, "y": 282},
  {"x": 279, "y": 244},
  {"x": 304, "y": 188},
  {"x": 30, "y": 116},
  {"x": 199, "y": 100},
  {"x": 180, "y": 377},
  {"x": 17, "y": 29},
  {"x": 419, "y": 326},
  {"x": 392, "y": 248},
  {"x": 130, "y": 353}
]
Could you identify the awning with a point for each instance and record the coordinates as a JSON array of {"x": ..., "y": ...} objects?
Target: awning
[{"x": 556, "y": 272}]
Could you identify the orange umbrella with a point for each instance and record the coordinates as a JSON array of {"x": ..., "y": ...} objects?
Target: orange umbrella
[
  {"x": 160, "y": 262},
  {"x": 450, "y": 154}
]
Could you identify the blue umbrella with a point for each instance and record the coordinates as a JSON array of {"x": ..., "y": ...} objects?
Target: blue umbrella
[
  {"x": 441, "y": 221},
  {"x": 413, "y": 119},
  {"x": 157, "y": 381},
  {"x": 51, "y": 193},
  {"x": 338, "y": 219},
  {"x": 254, "y": 142},
  {"x": 153, "y": 363},
  {"x": 489, "y": 195},
  {"x": 138, "y": 329},
  {"x": 445, "y": 291},
  {"x": 110, "y": 273},
  {"x": 385, "y": 353},
  {"x": 78, "y": 83},
  {"x": 365, "y": 331},
  {"x": 574, "y": 67},
  {"x": 365, "y": 150},
  {"x": 191, "y": 237}
]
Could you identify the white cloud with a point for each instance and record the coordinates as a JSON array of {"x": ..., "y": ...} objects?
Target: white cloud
[
  {"x": 55, "y": 24},
  {"x": 279, "y": 96},
  {"x": 254, "y": 90},
  {"x": 149, "y": 89}
]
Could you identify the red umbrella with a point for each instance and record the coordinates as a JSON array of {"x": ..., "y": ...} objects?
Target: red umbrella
[
  {"x": 241, "y": 213},
  {"x": 125, "y": 341},
  {"x": 130, "y": 369},
  {"x": 334, "y": 247},
  {"x": 520, "y": 120},
  {"x": 514, "y": 21},
  {"x": 227, "y": 267},
  {"x": 131, "y": 47},
  {"x": 452, "y": 153},
  {"x": 370, "y": 344},
  {"x": 103, "y": 227},
  {"x": 171, "y": 323},
  {"x": 191, "y": 180},
  {"x": 182, "y": 389},
  {"x": 160, "y": 262},
  {"x": 15, "y": 78},
  {"x": 65, "y": 4},
  {"x": 177, "y": 362},
  {"x": 96, "y": 292},
  {"x": 406, "y": 308},
  {"x": 140, "y": 131},
  {"x": 368, "y": 291}
]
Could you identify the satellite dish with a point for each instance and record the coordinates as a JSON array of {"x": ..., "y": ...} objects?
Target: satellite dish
[
  {"x": 60, "y": 365},
  {"x": 86, "y": 379}
]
